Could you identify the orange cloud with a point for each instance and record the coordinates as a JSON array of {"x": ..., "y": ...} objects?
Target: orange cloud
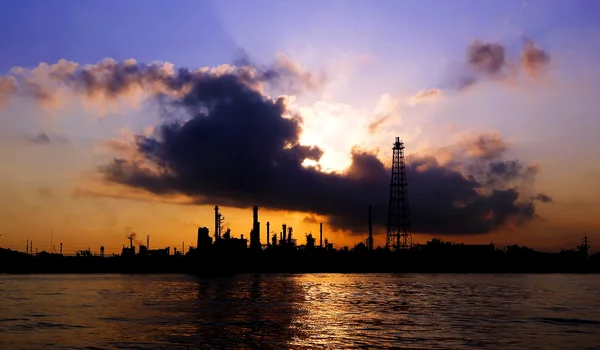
[
  {"x": 533, "y": 59},
  {"x": 386, "y": 108},
  {"x": 8, "y": 86},
  {"x": 424, "y": 96}
]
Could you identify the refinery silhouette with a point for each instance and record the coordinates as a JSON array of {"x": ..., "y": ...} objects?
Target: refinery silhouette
[{"x": 223, "y": 254}]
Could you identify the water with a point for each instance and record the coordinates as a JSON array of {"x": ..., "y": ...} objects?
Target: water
[{"x": 338, "y": 311}]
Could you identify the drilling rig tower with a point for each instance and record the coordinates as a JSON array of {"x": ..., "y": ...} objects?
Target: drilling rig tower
[{"x": 399, "y": 234}]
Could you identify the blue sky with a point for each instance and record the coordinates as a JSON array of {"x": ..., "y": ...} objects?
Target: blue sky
[
  {"x": 188, "y": 32},
  {"x": 412, "y": 45},
  {"x": 421, "y": 36}
]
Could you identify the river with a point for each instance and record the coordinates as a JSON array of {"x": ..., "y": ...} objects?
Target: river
[{"x": 337, "y": 311}]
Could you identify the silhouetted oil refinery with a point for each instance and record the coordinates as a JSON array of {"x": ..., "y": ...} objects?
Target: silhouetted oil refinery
[{"x": 221, "y": 253}]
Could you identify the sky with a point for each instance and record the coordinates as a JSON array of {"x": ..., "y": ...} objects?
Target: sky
[{"x": 294, "y": 106}]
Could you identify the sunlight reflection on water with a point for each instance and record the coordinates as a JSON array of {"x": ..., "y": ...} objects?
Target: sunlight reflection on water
[{"x": 338, "y": 311}]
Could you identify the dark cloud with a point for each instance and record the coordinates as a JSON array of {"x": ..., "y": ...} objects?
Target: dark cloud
[
  {"x": 485, "y": 60},
  {"x": 543, "y": 198},
  {"x": 488, "y": 60},
  {"x": 43, "y": 139},
  {"x": 487, "y": 146},
  {"x": 39, "y": 139},
  {"x": 230, "y": 145},
  {"x": 310, "y": 219}
]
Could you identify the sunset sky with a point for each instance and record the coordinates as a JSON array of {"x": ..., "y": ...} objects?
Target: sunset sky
[{"x": 469, "y": 86}]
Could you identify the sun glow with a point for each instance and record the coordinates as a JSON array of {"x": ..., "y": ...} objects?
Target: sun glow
[{"x": 336, "y": 129}]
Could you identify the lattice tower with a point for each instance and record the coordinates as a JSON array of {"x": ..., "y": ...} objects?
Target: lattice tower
[{"x": 399, "y": 234}]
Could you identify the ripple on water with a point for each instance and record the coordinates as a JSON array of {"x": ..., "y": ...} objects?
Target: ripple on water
[{"x": 339, "y": 311}]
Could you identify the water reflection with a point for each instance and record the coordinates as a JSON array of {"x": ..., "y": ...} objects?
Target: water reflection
[
  {"x": 251, "y": 311},
  {"x": 336, "y": 311}
]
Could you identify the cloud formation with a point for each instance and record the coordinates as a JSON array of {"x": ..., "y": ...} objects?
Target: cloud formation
[
  {"x": 387, "y": 108},
  {"x": 227, "y": 143},
  {"x": 542, "y": 198},
  {"x": 424, "y": 96},
  {"x": 533, "y": 59},
  {"x": 489, "y": 60},
  {"x": 8, "y": 86},
  {"x": 110, "y": 80},
  {"x": 44, "y": 139},
  {"x": 486, "y": 58}
]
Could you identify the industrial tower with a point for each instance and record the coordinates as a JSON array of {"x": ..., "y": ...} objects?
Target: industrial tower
[
  {"x": 399, "y": 235},
  {"x": 370, "y": 238},
  {"x": 255, "y": 233}
]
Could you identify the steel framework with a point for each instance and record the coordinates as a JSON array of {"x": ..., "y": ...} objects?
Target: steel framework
[{"x": 399, "y": 234}]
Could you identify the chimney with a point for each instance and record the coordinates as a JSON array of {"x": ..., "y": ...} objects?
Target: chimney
[
  {"x": 217, "y": 233},
  {"x": 283, "y": 233},
  {"x": 268, "y": 230},
  {"x": 255, "y": 235},
  {"x": 321, "y": 235},
  {"x": 370, "y": 229}
]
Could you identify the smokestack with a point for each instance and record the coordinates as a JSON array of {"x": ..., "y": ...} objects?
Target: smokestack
[
  {"x": 148, "y": 242},
  {"x": 27, "y": 247},
  {"x": 255, "y": 235},
  {"x": 321, "y": 235},
  {"x": 370, "y": 230},
  {"x": 283, "y": 233},
  {"x": 60, "y": 248},
  {"x": 217, "y": 233},
  {"x": 268, "y": 230}
]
